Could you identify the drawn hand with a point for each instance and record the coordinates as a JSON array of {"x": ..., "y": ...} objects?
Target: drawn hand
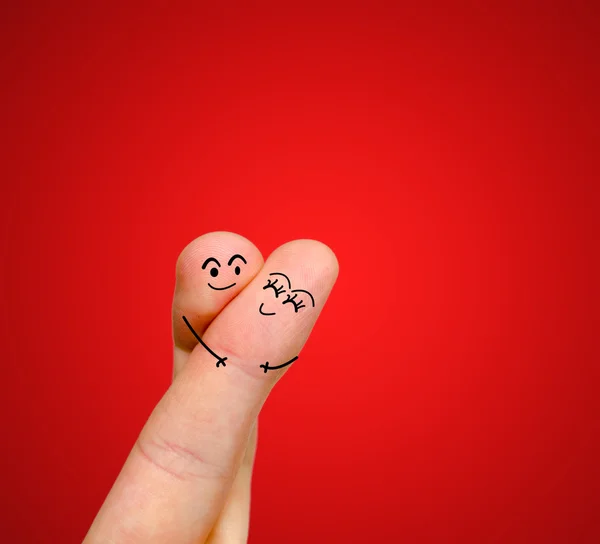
[
  {"x": 187, "y": 478},
  {"x": 221, "y": 361},
  {"x": 266, "y": 366}
]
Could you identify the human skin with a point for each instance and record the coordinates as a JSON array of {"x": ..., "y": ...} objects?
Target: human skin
[{"x": 187, "y": 479}]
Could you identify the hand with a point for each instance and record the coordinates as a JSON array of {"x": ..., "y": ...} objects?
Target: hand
[{"x": 187, "y": 478}]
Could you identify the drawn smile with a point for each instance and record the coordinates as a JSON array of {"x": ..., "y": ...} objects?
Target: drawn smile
[
  {"x": 260, "y": 309},
  {"x": 220, "y": 288}
]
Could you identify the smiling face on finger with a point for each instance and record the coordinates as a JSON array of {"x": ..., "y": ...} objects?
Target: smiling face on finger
[
  {"x": 279, "y": 286},
  {"x": 269, "y": 321},
  {"x": 224, "y": 277}
]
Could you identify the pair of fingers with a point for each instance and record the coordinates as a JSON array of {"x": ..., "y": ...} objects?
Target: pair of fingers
[{"x": 188, "y": 475}]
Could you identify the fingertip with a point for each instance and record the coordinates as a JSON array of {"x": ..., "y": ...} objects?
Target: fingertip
[
  {"x": 220, "y": 245},
  {"x": 316, "y": 258},
  {"x": 210, "y": 271}
]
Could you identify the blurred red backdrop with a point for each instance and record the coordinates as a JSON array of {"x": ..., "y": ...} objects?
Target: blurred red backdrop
[{"x": 447, "y": 153}]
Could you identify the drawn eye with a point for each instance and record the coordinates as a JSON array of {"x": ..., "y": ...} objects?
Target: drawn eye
[
  {"x": 237, "y": 270},
  {"x": 214, "y": 272},
  {"x": 292, "y": 299},
  {"x": 276, "y": 289}
]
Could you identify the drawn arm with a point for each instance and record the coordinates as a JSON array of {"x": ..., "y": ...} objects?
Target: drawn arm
[
  {"x": 267, "y": 367},
  {"x": 220, "y": 360}
]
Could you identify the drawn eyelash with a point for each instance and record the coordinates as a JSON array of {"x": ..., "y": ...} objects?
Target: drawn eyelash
[
  {"x": 277, "y": 290},
  {"x": 292, "y": 299}
]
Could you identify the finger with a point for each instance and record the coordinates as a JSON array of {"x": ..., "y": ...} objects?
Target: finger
[
  {"x": 200, "y": 295},
  {"x": 233, "y": 522},
  {"x": 210, "y": 272},
  {"x": 176, "y": 479}
]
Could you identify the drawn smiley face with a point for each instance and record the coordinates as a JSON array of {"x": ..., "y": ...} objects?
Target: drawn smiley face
[
  {"x": 281, "y": 286},
  {"x": 215, "y": 270}
]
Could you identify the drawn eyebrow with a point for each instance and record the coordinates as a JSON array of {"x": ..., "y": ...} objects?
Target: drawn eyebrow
[
  {"x": 281, "y": 274},
  {"x": 210, "y": 259},
  {"x": 236, "y": 257},
  {"x": 303, "y": 291}
]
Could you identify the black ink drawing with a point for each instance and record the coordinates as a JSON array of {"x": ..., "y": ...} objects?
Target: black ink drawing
[
  {"x": 292, "y": 296},
  {"x": 267, "y": 367},
  {"x": 281, "y": 286},
  {"x": 220, "y": 360},
  {"x": 214, "y": 271}
]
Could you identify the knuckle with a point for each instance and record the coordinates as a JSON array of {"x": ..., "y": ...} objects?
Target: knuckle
[{"x": 180, "y": 462}]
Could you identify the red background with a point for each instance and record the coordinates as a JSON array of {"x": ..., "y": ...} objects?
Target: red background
[{"x": 448, "y": 155}]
